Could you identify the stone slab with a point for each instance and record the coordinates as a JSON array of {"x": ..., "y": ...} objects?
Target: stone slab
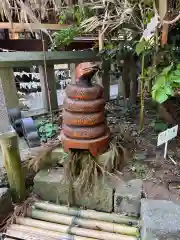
[
  {"x": 127, "y": 197},
  {"x": 50, "y": 186},
  {"x": 5, "y": 203},
  {"x": 160, "y": 220}
]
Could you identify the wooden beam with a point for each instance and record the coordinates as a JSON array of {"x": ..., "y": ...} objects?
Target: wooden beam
[
  {"x": 20, "y": 27},
  {"x": 23, "y": 45},
  {"x": 21, "y": 59}
]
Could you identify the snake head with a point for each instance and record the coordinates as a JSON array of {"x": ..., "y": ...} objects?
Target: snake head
[{"x": 86, "y": 70}]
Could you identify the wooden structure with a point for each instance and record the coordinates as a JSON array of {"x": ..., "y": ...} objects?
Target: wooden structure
[{"x": 21, "y": 59}]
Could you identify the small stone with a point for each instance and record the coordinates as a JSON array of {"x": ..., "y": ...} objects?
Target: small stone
[
  {"x": 160, "y": 220},
  {"x": 5, "y": 203},
  {"x": 127, "y": 197},
  {"x": 57, "y": 156},
  {"x": 138, "y": 141},
  {"x": 140, "y": 156},
  {"x": 134, "y": 134}
]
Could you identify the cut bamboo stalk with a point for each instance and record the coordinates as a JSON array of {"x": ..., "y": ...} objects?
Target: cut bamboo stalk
[
  {"x": 85, "y": 223},
  {"x": 29, "y": 235},
  {"x": 17, "y": 234},
  {"x": 89, "y": 214},
  {"x": 43, "y": 224},
  {"x": 82, "y": 231},
  {"x": 7, "y": 238},
  {"x": 42, "y": 233}
]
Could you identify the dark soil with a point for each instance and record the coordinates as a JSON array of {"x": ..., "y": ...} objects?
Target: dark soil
[{"x": 161, "y": 177}]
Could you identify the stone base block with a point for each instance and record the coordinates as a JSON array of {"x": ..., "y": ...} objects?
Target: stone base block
[
  {"x": 5, "y": 203},
  {"x": 50, "y": 186},
  {"x": 127, "y": 197},
  {"x": 160, "y": 220}
]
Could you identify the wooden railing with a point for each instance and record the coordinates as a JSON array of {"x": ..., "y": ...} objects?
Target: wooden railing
[{"x": 45, "y": 61}]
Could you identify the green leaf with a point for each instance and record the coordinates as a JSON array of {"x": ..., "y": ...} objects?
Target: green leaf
[
  {"x": 49, "y": 134},
  {"x": 160, "y": 82},
  {"x": 166, "y": 70},
  {"x": 140, "y": 47},
  {"x": 160, "y": 95},
  {"x": 175, "y": 79},
  {"x": 41, "y": 129},
  {"x": 178, "y": 66},
  {"x": 168, "y": 90},
  {"x": 177, "y": 72}
]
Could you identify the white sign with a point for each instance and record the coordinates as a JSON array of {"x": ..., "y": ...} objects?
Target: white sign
[{"x": 166, "y": 136}]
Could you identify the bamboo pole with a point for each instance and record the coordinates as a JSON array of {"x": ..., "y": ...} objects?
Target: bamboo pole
[
  {"x": 8, "y": 238},
  {"x": 84, "y": 232},
  {"x": 85, "y": 223},
  {"x": 26, "y": 231},
  {"x": 90, "y": 214},
  {"x": 22, "y": 235},
  {"x": 12, "y": 162}
]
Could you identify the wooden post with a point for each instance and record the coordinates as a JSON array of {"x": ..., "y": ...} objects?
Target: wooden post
[
  {"x": 10, "y": 150},
  {"x": 106, "y": 66},
  {"x": 72, "y": 70},
  {"x": 12, "y": 163},
  {"x": 50, "y": 85},
  {"x": 44, "y": 89},
  {"x": 121, "y": 89},
  {"x": 101, "y": 45},
  {"x": 9, "y": 87}
]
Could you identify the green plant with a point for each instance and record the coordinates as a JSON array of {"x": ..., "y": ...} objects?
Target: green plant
[
  {"x": 166, "y": 83},
  {"x": 75, "y": 15},
  {"x": 143, "y": 48},
  {"x": 65, "y": 36},
  {"x": 72, "y": 16},
  {"x": 47, "y": 130}
]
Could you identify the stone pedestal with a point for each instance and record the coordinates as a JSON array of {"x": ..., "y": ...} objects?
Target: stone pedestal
[{"x": 50, "y": 186}]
